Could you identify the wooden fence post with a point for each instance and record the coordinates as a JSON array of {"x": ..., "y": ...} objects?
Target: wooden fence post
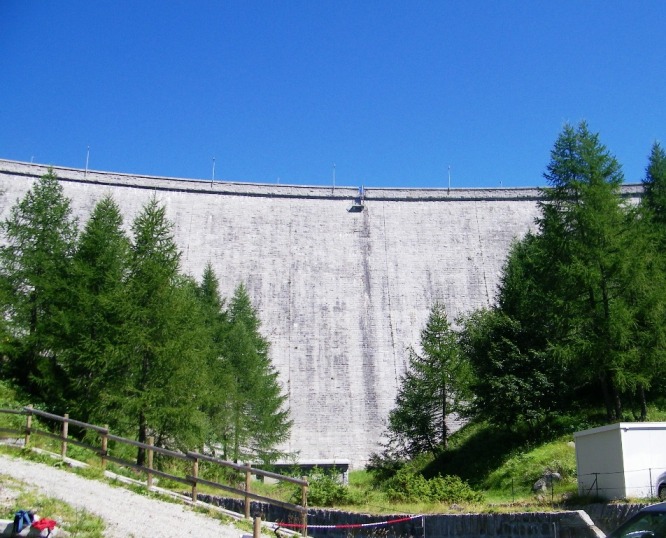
[
  {"x": 28, "y": 425},
  {"x": 195, "y": 474},
  {"x": 105, "y": 445},
  {"x": 151, "y": 442},
  {"x": 248, "y": 475},
  {"x": 304, "y": 502},
  {"x": 65, "y": 431},
  {"x": 256, "y": 529}
]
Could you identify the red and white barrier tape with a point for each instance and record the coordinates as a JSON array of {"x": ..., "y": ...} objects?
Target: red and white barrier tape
[{"x": 349, "y": 525}]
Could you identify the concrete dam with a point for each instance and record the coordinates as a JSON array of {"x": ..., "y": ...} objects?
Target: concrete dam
[{"x": 342, "y": 290}]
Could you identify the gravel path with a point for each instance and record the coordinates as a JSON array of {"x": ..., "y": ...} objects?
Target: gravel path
[{"x": 126, "y": 514}]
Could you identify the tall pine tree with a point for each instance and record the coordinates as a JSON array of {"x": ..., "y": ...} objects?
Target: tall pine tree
[
  {"x": 35, "y": 273},
  {"x": 646, "y": 286},
  {"x": 163, "y": 358},
  {"x": 218, "y": 405},
  {"x": 435, "y": 386},
  {"x": 260, "y": 420},
  {"x": 585, "y": 230},
  {"x": 654, "y": 186},
  {"x": 96, "y": 314}
]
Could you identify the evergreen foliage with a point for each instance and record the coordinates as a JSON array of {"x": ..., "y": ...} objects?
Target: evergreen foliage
[
  {"x": 221, "y": 380},
  {"x": 579, "y": 316},
  {"x": 517, "y": 380},
  {"x": 161, "y": 356},
  {"x": 586, "y": 231},
  {"x": 36, "y": 274},
  {"x": 581, "y": 303},
  {"x": 260, "y": 420},
  {"x": 511, "y": 381},
  {"x": 654, "y": 185},
  {"x": 435, "y": 385},
  {"x": 109, "y": 329},
  {"x": 96, "y": 313}
]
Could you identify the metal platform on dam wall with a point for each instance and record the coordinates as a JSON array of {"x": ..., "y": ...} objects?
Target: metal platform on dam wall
[{"x": 341, "y": 294}]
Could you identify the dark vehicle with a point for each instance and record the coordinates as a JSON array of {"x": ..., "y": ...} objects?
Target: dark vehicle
[
  {"x": 661, "y": 486},
  {"x": 649, "y": 522}
]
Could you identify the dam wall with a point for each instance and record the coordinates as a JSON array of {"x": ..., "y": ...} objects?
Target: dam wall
[{"x": 341, "y": 294}]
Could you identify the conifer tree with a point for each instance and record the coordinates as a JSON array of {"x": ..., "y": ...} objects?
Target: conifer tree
[
  {"x": 581, "y": 303},
  {"x": 96, "y": 314},
  {"x": 163, "y": 358},
  {"x": 219, "y": 398},
  {"x": 517, "y": 381},
  {"x": 585, "y": 230},
  {"x": 644, "y": 293},
  {"x": 654, "y": 185},
  {"x": 35, "y": 271},
  {"x": 514, "y": 384},
  {"x": 435, "y": 385},
  {"x": 645, "y": 290},
  {"x": 260, "y": 420}
]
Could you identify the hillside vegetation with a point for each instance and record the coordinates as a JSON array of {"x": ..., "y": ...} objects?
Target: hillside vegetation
[
  {"x": 484, "y": 469},
  {"x": 108, "y": 328},
  {"x": 575, "y": 338}
]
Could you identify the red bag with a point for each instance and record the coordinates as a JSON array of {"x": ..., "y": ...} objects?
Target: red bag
[{"x": 44, "y": 523}]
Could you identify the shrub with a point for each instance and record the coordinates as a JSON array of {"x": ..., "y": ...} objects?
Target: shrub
[
  {"x": 407, "y": 486},
  {"x": 383, "y": 466},
  {"x": 453, "y": 489},
  {"x": 324, "y": 490}
]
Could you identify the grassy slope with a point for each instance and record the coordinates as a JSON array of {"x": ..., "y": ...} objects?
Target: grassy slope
[{"x": 503, "y": 465}]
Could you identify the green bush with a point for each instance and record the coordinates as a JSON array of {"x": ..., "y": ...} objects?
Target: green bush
[
  {"x": 383, "y": 466},
  {"x": 522, "y": 469},
  {"x": 9, "y": 400},
  {"x": 407, "y": 486},
  {"x": 324, "y": 490}
]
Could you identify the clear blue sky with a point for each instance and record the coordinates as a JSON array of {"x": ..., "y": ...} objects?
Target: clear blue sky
[{"x": 391, "y": 92}]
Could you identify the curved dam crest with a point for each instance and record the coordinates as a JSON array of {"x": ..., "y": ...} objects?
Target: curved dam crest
[{"x": 341, "y": 294}]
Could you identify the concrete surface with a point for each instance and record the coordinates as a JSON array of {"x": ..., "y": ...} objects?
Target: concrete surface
[{"x": 341, "y": 294}]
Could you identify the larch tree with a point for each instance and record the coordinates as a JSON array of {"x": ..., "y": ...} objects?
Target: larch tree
[
  {"x": 645, "y": 290},
  {"x": 644, "y": 294},
  {"x": 654, "y": 186},
  {"x": 163, "y": 357},
  {"x": 35, "y": 273},
  {"x": 585, "y": 230},
  {"x": 260, "y": 419},
  {"x": 219, "y": 398},
  {"x": 96, "y": 314},
  {"x": 434, "y": 386}
]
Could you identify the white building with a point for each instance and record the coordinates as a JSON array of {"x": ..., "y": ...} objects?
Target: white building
[{"x": 620, "y": 461}]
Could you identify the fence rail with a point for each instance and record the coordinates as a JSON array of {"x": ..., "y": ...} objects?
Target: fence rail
[
  {"x": 193, "y": 479},
  {"x": 647, "y": 482}
]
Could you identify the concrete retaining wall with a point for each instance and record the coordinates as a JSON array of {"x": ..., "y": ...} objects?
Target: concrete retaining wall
[
  {"x": 341, "y": 295},
  {"x": 610, "y": 516},
  {"x": 564, "y": 524}
]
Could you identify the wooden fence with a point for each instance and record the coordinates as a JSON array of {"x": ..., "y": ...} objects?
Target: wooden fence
[{"x": 192, "y": 480}]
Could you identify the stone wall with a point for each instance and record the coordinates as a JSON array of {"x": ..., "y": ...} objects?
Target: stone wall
[
  {"x": 610, "y": 516},
  {"x": 338, "y": 524},
  {"x": 341, "y": 294}
]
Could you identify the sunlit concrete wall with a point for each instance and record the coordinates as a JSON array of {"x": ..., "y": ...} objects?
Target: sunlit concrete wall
[{"x": 341, "y": 294}]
